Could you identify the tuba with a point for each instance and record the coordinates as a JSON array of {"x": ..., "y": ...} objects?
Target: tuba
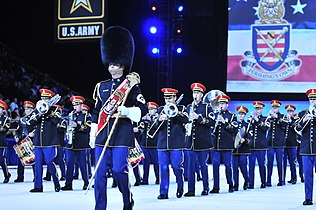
[{"x": 210, "y": 98}]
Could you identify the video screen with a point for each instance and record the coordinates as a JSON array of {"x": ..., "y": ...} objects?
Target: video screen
[{"x": 271, "y": 46}]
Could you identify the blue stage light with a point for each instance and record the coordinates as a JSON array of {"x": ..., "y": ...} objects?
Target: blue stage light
[
  {"x": 180, "y": 8},
  {"x": 153, "y": 29},
  {"x": 179, "y": 50},
  {"x": 155, "y": 50}
]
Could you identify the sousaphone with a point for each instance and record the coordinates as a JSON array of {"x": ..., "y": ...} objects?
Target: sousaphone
[{"x": 210, "y": 98}]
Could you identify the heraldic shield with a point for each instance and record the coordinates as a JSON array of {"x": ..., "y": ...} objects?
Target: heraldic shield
[{"x": 270, "y": 44}]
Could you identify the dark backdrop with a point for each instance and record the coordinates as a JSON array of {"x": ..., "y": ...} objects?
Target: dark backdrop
[{"x": 29, "y": 30}]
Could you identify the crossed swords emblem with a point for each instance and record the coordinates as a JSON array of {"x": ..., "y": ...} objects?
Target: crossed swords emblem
[{"x": 271, "y": 45}]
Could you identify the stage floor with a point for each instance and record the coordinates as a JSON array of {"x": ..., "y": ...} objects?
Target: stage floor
[{"x": 16, "y": 196}]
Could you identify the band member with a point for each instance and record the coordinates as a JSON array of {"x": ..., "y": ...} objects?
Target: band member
[
  {"x": 4, "y": 128},
  {"x": 224, "y": 131},
  {"x": 45, "y": 140},
  {"x": 90, "y": 152},
  {"x": 258, "y": 144},
  {"x": 22, "y": 133},
  {"x": 276, "y": 141},
  {"x": 149, "y": 144},
  {"x": 117, "y": 50},
  {"x": 60, "y": 157},
  {"x": 305, "y": 127},
  {"x": 78, "y": 142},
  {"x": 291, "y": 143},
  {"x": 171, "y": 141},
  {"x": 241, "y": 153},
  {"x": 198, "y": 139}
]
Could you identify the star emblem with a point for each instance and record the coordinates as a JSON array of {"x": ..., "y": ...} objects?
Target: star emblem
[
  {"x": 256, "y": 9},
  {"x": 298, "y": 7},
  {"x": 81, "y": 3}
]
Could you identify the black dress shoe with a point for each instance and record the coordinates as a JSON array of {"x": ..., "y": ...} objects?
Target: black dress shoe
[
  {"x": 231, "y": 189},
  {"x": 262, "y": 186},
  {"x": 214, "y": 190},
  {"x": 47, "y": 178},
  {"x": 189, "y": 194},
  {"x": 269, "y": 185},
  {"x": 18, "y": 180},
  {"x": 7, "y": 179},
  {"x": 290, "y": 181},
  {"x": 137, "y": 183},
  {"x": 186, "y": 179},
  {"x": 157, "y": 181},
  {"x": 251, "y": 187},
  {"x": 294, "y": 182},
  {"x": 162, "y": 196},
  {"x": 57, "y": 188},
  {"x": 245, "y": 187},
  {"x": 179, "y": 193},
  {"x": 280, "y": 184},
  {"x": 204, "y": 192},
  {"x": 307, "y": 202},
  {"x": 129, "y": 206},
  {"x": 85, "y": 187},
  {"x": 114, "y": 184},
  {"x": 143, "y": 183},
  {"x": 62, "y": 178},
  {"x": 76, "y": 177},
  {"x": 302, "y": 180},
  {"x": 66, "y": 188},
  {"x": 235, "y": 188},
  {"x": 199, "y": 178},
  {"x": 36, "y": 190}
]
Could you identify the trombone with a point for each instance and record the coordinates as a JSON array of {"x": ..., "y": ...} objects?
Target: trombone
[{"x": 171, "y": 110}]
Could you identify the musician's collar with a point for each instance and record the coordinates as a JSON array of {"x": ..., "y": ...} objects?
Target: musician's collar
[{"x": 118, "y": 80}]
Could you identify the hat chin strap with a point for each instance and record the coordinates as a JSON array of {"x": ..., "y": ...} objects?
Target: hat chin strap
[{"x": 116, "y": 71}]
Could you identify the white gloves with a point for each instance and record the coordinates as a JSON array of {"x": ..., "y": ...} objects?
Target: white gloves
[
  {"x": 123, "y": 110},
  {"x": 93, "y": 134},
  {"x": 133, "y": 113}
]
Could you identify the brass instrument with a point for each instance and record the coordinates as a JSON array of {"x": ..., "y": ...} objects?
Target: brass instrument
[
  {"x": 252, "y": 115},
  {"x": 238, "y": 138},
  {"x": 70, "y": 129},
  {"x": 311, "y": 110},
  {"x": 188, "y": 126},
  {"x": 210, "y": 98},
  {"x": 171, "y": 110},
  {"x": 42, "y": 107}
]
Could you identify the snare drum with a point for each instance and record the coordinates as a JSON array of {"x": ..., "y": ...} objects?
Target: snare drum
[
  {"x": 25, "y": 150},
  {"x": 135, "y": 155}
]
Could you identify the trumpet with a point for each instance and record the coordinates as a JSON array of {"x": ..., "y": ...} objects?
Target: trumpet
[
  {"x": 311, "y": 111},
  {"x": 252, "y": 116}
]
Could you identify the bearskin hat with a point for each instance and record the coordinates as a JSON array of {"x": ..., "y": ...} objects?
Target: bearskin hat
[{"x": 117, "y": 46}]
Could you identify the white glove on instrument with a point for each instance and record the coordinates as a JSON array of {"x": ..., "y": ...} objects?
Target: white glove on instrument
[
  {"x": 133, "y": 113},
  {"x": 93, "y": 134}
]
